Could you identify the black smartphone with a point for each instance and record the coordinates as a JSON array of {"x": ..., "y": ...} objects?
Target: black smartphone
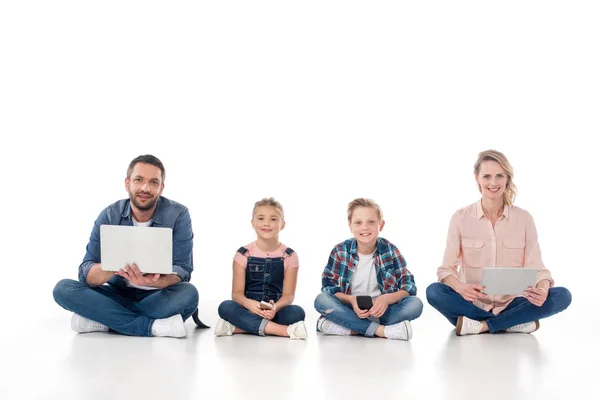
[{"x": 364, "y": 302}]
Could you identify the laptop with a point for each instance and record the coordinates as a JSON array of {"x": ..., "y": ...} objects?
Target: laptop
[
  {"x": 151, "y": 249},
  {"x": 508, "y": 281}
]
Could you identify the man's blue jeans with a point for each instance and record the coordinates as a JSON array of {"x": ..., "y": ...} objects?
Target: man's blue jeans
[
  {"x": 247, "y": 321},
  {"x": 333, "y": 309},
  {"x": 126, "y": 310},
  {"x": 452, "y": 305}
]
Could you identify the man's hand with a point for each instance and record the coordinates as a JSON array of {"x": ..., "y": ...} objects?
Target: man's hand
[
  {"x": 97, "y": 276},
  {"x": 134, "y": 275}
]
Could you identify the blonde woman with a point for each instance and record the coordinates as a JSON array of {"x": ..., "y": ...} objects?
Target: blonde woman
[{"x": 492, "y": 232}]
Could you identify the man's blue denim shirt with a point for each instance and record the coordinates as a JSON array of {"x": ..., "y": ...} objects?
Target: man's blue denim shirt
[{"x": 168, "y": 214}]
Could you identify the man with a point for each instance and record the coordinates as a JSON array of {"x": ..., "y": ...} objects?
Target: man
[{"x": 128, "y": 301}]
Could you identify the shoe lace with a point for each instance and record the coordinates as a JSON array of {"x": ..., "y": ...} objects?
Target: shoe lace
[
  {"x": 519, "y": 327},
  {"x": 474, "y": 325}
]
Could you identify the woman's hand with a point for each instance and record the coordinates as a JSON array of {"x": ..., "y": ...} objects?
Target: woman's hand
[
  {"x": 536, "y": 296},
  {"x": 471, "y": 292}
]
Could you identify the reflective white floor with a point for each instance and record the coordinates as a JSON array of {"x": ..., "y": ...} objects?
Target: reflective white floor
[{"x": 49, "y": 361}]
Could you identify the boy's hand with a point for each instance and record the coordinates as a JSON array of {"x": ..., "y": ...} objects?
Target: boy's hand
[
  {"x": 362, "y": 314},
  {"x": 380, "y": 306}
]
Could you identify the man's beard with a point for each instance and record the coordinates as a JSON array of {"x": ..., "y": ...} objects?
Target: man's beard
[{"x": 148, "y": 206}]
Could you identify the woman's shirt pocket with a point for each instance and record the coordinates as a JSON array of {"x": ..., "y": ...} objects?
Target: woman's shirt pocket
[
  {"x": 513, "y": 252},
  {"x": 472, "y": 252}
]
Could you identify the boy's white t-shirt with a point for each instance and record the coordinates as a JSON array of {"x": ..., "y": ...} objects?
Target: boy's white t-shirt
[
  {"x": 127, "y": 283},
  {"x": 364, "y": 279}
]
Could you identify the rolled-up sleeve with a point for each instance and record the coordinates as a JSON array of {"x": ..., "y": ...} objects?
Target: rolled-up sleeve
[
  {"x": 452, "y": 253},
  {"x": 406, "y": 280},
  {"x": 92, "y": 250},
  {"x": 330, "y": 279},
  {"x": 533, "y": 253},
  {"x": 183, "y": 238}
]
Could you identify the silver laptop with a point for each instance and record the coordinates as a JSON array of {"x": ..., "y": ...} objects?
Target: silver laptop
[
  {"x": 151, "y": 249},
  {"x": 508, "y": 281}
]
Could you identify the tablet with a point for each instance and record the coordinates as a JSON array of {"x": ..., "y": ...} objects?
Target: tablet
[{"x": 508, "y": 281}]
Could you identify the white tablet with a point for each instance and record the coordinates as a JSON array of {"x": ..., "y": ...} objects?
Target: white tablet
[{"x": 508, "y": 281}]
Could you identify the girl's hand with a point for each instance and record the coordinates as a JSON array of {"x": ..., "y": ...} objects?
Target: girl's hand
[
  {"x": 270, "y": 314},
  {"x": 254, "y": 307}
]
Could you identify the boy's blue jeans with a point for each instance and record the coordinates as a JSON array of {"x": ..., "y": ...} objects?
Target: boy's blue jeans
[
  {"x": 452, "y": 305},
  {"x": 333, "y": 309},
  {"x": 129, "y": 311}
]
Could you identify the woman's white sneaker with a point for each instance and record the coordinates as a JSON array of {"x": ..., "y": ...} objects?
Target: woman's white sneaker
[
  {"x": 527, "y": 327},
  {"x": 467, "y": 326}
]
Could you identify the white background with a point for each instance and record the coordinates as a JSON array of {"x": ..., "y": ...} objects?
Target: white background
[{"x": 314, "y": 103}]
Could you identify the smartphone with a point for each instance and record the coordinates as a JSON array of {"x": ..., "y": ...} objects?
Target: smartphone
[
  {"x": 364, "y": 302},
  {"x": 265, "y": 306}
]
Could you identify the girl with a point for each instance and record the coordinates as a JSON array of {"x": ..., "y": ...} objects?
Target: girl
[{"x": 264, "y": 282}]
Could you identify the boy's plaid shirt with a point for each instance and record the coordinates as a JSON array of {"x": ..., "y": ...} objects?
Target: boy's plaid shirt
[{"x": 390, "y": 266}]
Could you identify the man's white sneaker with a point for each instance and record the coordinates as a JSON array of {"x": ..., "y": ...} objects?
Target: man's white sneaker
[
  {"x": 527, "y": 327},
  {"x": 331, "y": 328},
  {"x": 83, "y": 325},
  {"x": 297, "y": 330},
  {"x": 467, "y": 326},
  {"x": 401, "y": 331},
  {"x": 224, "y": 328},
  {"x": 169, "y": 327}
]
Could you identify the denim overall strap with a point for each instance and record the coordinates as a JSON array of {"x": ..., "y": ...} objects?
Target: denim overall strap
[{"x": 264, "y": 278}]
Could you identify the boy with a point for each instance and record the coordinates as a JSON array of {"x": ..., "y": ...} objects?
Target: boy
[{"x": 365, "y": 268}]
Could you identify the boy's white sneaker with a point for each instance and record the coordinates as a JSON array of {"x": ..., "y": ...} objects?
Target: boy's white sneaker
[
  {"x": 224, "y": 328},
  {"x": 82, "y": 325},
  {"x": 527, "y": 327},
  {"x": 331, "y": 328},
  {"x": 169, "y": 327},
  {"x": 467, "y": 326},
  {"x": 297, "y": 330},
  {"x": 401, "y": 331}
]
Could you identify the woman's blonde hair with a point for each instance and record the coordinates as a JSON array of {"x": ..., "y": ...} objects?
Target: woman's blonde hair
[
  {"x": 271, "y": 202},
  {"x": 510, "y": 193},
  {"x": 363, "y": 202}
]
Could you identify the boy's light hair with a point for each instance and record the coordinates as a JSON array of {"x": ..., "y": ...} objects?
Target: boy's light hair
[
  {"x": 271, "y": 202},
  {"x": 493, "y": 155},
  {"x": 363, "y": 202}
]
